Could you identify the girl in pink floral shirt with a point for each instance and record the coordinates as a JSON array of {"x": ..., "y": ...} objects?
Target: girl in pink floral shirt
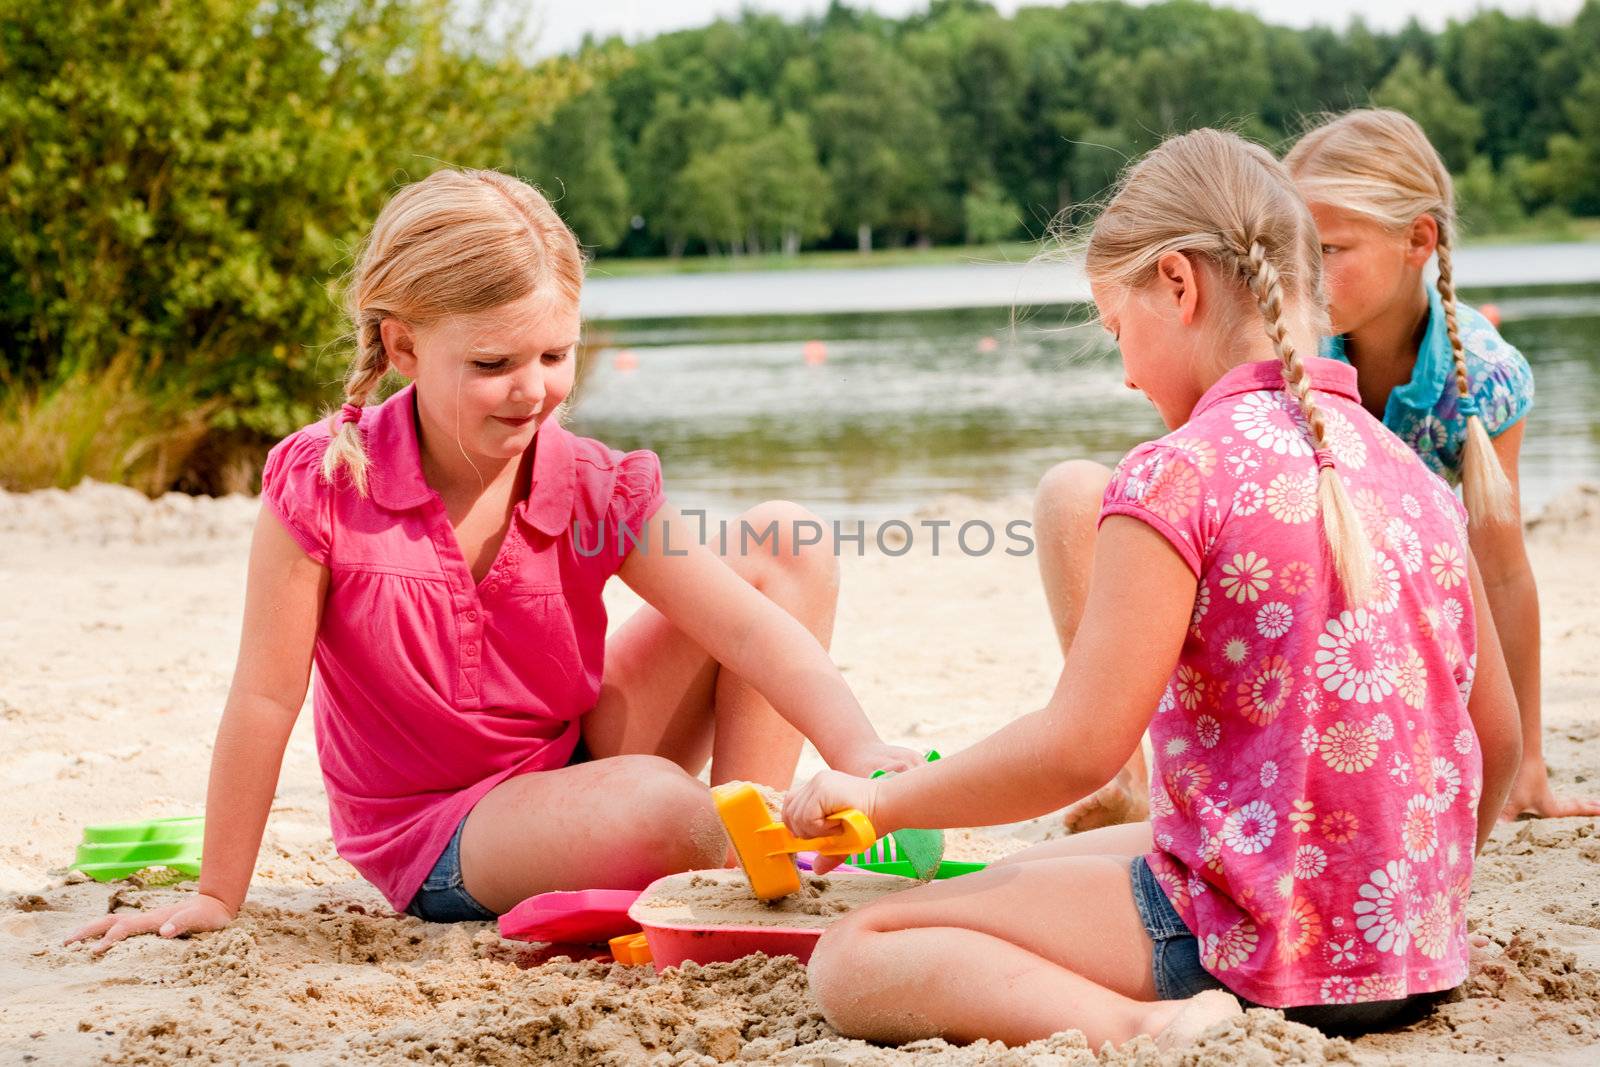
[{"x": 1282, "y": 594}]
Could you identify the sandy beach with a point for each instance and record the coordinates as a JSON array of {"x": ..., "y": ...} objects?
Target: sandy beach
[{"x": 116, "y": 648}]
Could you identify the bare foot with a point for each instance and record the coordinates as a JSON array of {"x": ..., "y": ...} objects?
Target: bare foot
[
  {"x": 1179, "y": 1023},
  {"x": 1532, "y": 798},
  {"x": 1124, "y": 799}
]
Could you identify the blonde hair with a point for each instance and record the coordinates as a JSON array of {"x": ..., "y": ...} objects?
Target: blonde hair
[
  {"x": 457, "y": 241},
  {"x": 1378, "y": 163},
  {"x": 1214, "y": 195}
]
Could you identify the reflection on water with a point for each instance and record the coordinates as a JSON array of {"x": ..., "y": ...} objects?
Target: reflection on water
[{"x": 909, "y": 407}]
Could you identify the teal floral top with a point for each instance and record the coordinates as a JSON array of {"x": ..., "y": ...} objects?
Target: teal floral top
[{"x": 1427, "y": 412}]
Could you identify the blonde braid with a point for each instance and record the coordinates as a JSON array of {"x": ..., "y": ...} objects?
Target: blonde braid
[
  {"x": 1484, "y": 484},
  {"x": 366, "y": 374},
  {"x": 1353, "y": 557}
]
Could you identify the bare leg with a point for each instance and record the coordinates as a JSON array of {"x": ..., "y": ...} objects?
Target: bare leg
[
  {"x": 1013, "y": 954},
  {"x": 637, "y": 812},
  {"x": 1129, "y": 840},
  {"x": 1066, "y": 512}
]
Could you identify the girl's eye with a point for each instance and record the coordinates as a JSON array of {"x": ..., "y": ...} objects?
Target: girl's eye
[
  {"x": 1329, "y": 250},
  {"x": 489, "y": 366},
  {"x": 553, "y": 358}
]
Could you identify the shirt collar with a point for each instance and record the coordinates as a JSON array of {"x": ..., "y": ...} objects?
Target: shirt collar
[
  {"x": 396, "y": 481},
  {"x": 1327, "y": 376}
]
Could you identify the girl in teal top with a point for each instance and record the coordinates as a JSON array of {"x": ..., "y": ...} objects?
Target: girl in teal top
[{"x": 1436, "y": 372}]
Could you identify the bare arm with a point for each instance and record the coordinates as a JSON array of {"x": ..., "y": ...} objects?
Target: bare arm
[
  {"x": 758, "y": 641},
  {"x": 1140, "y": 600},
  {"x": 1493, "y": 708},
  {"x": 282, "y": 608}
]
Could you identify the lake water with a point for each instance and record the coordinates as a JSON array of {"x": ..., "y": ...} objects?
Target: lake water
[{"x": 912, "y": 406}]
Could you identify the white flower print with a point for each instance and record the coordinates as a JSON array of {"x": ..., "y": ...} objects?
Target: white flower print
[
  {"x": 1202, "y": 604},
  {"x": 1447, "y": 565},
  {"x": 1352, "y": 660},
  {"x": 1337, "y": 990},
  {"x": 1407, "y": 545},
  {"x": 1168, "y": 700},
  {"x": 1242, "y": 461},
  {"x": 1419, "y": 829},
  {"x": 1201, "y": 453},
  {"x": 1344, "y": 440},
  {"x": 1435, "y": 926},
  {"x": 1309, "y": 862},
  {"x": 1446, "y": 784},
  {"x": 1410, "y": 506},
  {"x": 1386, "y": 579},
  {"x": 1464, "y": 683},
  {"x": 1381, "y": 912},
  {"x": 1451, "y": 612},
  {"x": 1196, "y": 885},
  {"x": 1213, "y": 807},
  {"x": 1208, "y": 731},
  {"x": 1343, "y": 951},
  {"x": 1248, "y": 498},
  {"x": 1349, "y": 748},
  {"x": 1164, "y": 842},
  {"x": 1273, "y": 422},
  {"x": 1400, "y": 768},
  {"x": 1308, "y": 739},
  {"x": 1452, "y": 853},
  {"x": 1411, "y": 679},
  {"x": 1191, "y": 686},
  {"x": 1177, "y": 746},
  {"x": 1463, "y": 741},
  {"x": 1160, "y": 802},
  {"x": 1269, "y": 774},
  {"x": 1382, "y": 727},
  {"x": 1274, "y": 619},
  {"x": 1245, "y": 577},
  {"x": 1251, "y": 828},
  {"x": 1229, "y": 950},
  {"x": 1292, "y": 498}
]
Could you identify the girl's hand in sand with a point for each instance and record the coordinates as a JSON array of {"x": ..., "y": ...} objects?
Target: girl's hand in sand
[
  {"x": 195, "y": 915},
  {"x": 880, "y": 757},
  {"x": 806, "y": 810}
]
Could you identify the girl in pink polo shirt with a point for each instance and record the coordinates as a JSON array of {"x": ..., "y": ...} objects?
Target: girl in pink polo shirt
[
  {"x": 1282, "y": 594},
  {"x": 440, "y": 558}
]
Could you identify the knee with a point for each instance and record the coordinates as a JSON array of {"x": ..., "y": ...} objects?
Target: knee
[
  {"x": 1069, "y": 495},
  {"x": 672, "y": 811},
  {"x": 779, "y": 537},
  {"x": 834, "y": 974}
]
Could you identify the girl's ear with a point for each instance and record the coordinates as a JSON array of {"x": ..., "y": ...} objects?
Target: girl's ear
[
  {"x": 1421, "y": 240},
  {"x": 400, "y": 345},
  {"x": 1178, "y": 282}
]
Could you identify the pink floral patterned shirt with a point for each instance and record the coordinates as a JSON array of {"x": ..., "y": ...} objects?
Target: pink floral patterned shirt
[{"x": 1316, "y": 774}]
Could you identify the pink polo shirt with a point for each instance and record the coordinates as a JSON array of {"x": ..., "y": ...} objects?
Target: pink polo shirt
[
  {"x": 431, "y": 689},
  {"x": 1316, "y": 777}
]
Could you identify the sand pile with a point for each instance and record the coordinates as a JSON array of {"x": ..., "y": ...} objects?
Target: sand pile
[
  {"x": 114, "y": 663},
  {"x": 723, "y": 898}
]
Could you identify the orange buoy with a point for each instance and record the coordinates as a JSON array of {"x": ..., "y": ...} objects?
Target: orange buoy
[
  {"x": 625, "y": 360},
  {"x": 1492, "y": 313},
  {"x": 815, "y": 353},
  {"x": 987, "y": 345}
]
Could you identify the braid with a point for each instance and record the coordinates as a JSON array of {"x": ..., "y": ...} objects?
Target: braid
[
  {"x": 1347, "y": 539},
  {"x": 345, "y": 448},
  {"x": 1483, "y": 480}
]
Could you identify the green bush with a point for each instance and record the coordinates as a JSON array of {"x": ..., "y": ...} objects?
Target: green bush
[{"x": 184, "y": 184}]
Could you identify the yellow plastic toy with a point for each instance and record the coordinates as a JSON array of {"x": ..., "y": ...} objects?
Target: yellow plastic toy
[{"x": 766, "y": 848}]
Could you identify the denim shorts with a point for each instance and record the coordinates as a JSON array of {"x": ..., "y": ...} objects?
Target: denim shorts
[
  {"x": 1176, "y": 962},
  {"x": 443, "y": 897}
]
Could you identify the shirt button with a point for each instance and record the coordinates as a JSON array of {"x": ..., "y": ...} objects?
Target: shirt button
[
  {"x": 472, "y": 616},
  {"x": 472, "y": 650},
  {"x": 493, "y": 588}
]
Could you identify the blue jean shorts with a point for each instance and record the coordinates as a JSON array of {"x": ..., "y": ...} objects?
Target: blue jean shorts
[
  {"x": 443, "y": 897},
  {"x": 1176, "y": 962}
]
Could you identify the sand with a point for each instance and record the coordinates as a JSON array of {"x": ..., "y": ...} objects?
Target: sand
[
  {"x": 116, "y": 646},
  {"x": 723, "y": 898}
]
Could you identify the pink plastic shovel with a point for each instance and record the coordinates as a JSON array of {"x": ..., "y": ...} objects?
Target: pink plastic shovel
[{"x": 587, "y": 916}]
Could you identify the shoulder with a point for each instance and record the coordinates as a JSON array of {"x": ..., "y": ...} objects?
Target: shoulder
[
  {"x": 298, "y": 455},
  {"x": 1500, "y": 378},
  {"x": 603, "y": 475}
]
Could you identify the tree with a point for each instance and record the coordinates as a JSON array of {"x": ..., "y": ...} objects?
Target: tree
[
  {"x": 572, "y": 158},
  {"x": 1453, "y": 126}
]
